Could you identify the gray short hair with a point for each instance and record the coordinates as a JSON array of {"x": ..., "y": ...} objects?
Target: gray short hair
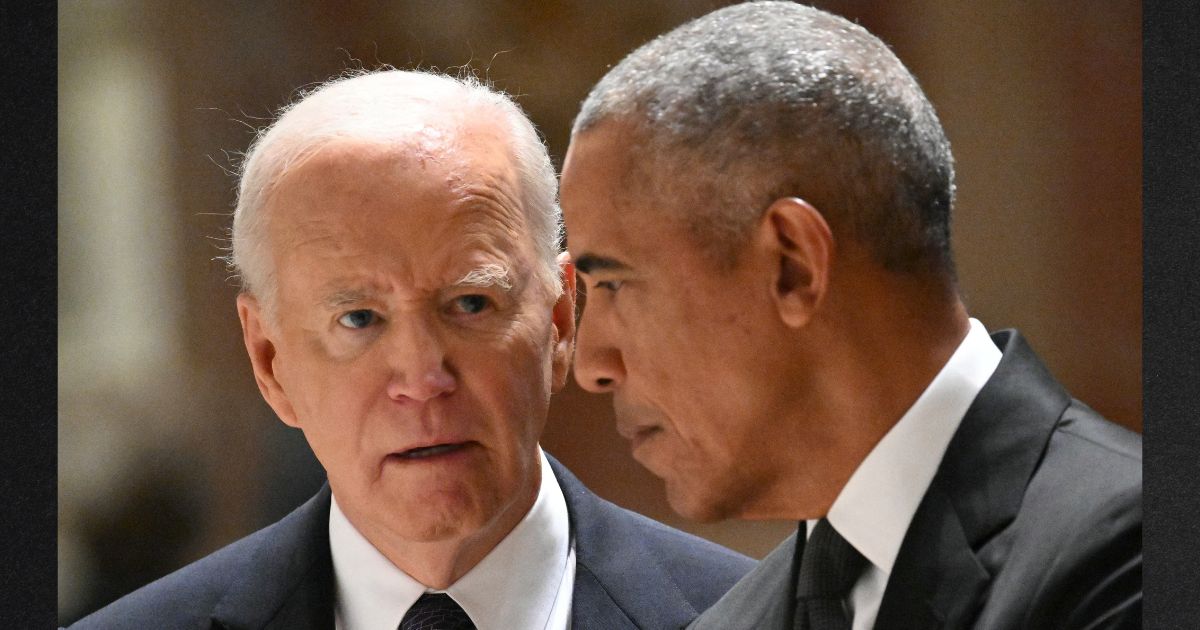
[
  {"x": 386, "y": 105},
  {"x": 764, "y": 100}
]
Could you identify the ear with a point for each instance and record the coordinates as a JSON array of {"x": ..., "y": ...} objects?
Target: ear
[
  {"x": 257, "y": 334},
  {"x": 800, "y": 240},
  {"x": 564, "y": 323}
]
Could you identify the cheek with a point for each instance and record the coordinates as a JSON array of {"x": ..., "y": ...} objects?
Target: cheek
[
  {"x": 667, "y": 365},
  {"x": 331, "y": 393},
  {"x": 513, "y": 378},
  {"x": 692, "y": 386}
]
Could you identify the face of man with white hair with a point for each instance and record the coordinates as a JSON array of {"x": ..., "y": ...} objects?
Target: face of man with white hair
[{"x": 413, "y": 342}]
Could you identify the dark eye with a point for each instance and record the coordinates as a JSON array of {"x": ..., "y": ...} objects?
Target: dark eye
[
  {"x": 471, "y": 304},
  {"x": 358, "y": 319}
]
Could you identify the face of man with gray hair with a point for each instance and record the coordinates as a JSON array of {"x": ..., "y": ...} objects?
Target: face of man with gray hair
[
  {"x": 403, "y": 307},
  {"x": 758, "y": 202}
]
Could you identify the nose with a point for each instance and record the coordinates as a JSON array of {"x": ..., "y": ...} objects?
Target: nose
[
  {"x": 599, "y": 366},
  {"x": 418, "y": 361}
]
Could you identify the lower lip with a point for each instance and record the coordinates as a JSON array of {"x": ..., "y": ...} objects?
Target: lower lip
[
  {"x": 641, "y": 437},
  {"x": 438, "y": 455}
]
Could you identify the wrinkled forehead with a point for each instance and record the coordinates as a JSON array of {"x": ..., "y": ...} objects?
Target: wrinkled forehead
[
  {"x": 457, "y": 163},
  {"x": 384, "y": 198}
]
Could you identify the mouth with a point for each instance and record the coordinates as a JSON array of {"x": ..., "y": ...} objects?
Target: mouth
[
  {"x": 639, "y": 436},
  {"x": 433, "y": 451}
]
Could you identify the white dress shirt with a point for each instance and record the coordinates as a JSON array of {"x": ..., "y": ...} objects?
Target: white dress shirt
[
  {"x": 524, "y": 582},
  {"x": 875, "y": 507}
]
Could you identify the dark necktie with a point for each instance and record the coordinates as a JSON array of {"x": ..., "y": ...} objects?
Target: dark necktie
[
  {"x": 436, "y": 611},
  {"x": 829, "y": 566}
]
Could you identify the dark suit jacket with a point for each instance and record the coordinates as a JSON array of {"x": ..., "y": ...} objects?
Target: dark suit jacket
[
  {"x": 1033, "y": 520},
  {"x": 630, "y": 572}
]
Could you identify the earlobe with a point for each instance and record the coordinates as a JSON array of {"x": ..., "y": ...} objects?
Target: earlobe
[
  {"x": 564, "y": 324},
  {"x": 803, "y": 245},
  {"x": 261, "y": 348}
]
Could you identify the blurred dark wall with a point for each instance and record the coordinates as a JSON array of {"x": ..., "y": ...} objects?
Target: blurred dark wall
[{"x": 167, "y": 451}]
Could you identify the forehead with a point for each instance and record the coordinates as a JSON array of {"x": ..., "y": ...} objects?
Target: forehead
[
  {"x": 387, "y": 207},
  {"x": 610, "y": 206}
]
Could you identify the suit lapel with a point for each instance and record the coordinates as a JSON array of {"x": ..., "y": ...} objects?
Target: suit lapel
[
  {"x": 938, "y": 579},
  {"x": 289, "y": 576},
  {"x": 592, "y": 606},
  {"x": 609, "y": 552},
  {"x": 937, "y": 586}
]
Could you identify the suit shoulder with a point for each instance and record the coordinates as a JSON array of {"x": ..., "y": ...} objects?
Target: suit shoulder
[
  {"x": 654, "y": 573},
  {"x": 761, "y": 595},
  {"x": 183, "y": 598},
  {"x": 702, "y": 570},
  {"x": 704, "y": 567},
  {"x": 1089, "y": 475},
  {"x": 1107, "y": 438},
  {"x": 1074, "y": 550},
  {"x": 1091, "y": 468}
]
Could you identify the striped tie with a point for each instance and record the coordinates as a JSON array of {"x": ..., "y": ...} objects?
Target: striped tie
[
  {"x": 829, "y": 566},
  {"x": 436, "y": 611}
]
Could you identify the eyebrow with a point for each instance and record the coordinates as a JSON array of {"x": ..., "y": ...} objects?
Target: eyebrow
[
  {"x": 484, "y": 276},
  {"x": 588, "y": 263},
  {"x": 489, "y": 275},
  {"x": 344, "y": 297}
]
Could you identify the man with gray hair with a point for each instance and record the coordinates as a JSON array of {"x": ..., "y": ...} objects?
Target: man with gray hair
[
  {"x": 404, "y": 306},
  {"x": 759, "y": 204}
]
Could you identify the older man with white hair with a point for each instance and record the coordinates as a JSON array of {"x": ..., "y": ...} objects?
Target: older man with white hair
[{"x": 397, "y": 236}]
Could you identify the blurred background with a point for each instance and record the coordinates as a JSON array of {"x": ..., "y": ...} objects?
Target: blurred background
[{"x": 166, "y": 450}]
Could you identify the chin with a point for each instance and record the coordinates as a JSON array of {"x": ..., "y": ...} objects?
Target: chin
[
  {"x": 433, "y": 523},
  {"x": 697, "y": 505},
  {"x": 435, "y": 530},
  {"x": 433, "y": 514}
]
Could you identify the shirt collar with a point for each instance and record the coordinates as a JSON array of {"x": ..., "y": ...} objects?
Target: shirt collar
[
  {"x": 876, "y": 506},
  {"x": 514, "y": 586}
]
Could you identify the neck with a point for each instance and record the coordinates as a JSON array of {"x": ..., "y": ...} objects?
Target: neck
[{"x": 880, "y": 340}]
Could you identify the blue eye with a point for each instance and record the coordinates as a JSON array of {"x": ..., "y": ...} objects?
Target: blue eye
[
  {"x": 471, "y": 304},
  {"x": 358, "y": 319}
]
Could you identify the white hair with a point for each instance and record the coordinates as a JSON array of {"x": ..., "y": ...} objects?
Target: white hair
[
  {"x": 386, "y": 105},
  {"x": 489, "y": 275}
]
